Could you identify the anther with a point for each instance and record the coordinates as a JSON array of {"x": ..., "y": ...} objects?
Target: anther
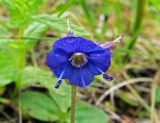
[
  {"x": 58, "y": 83},
  {"x": 60, "y": 79},
  {"x": 107, "y": 77}
]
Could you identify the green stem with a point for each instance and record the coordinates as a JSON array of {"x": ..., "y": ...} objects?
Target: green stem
[
  {"x": 87, "y": 12},
  {"x": 73, "y": 104},
  {"x": 140, "y": 15}
]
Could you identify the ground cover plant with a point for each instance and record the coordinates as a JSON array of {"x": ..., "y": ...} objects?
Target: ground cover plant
[{"x": 29, "y": 28}]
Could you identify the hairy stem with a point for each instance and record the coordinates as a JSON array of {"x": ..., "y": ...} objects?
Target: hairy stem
[{"x": 73, "y": 104}]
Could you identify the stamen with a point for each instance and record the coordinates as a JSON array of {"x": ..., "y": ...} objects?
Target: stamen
[
  {"x": 60, "y": 78},
  {"x": 105, "y": 76},
  {"x": 58, "y": 83},
  {"x": 78, "y": 59}
]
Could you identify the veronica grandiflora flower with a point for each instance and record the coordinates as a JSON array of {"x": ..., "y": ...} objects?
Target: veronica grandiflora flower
[{"x": 79, "y": 60}]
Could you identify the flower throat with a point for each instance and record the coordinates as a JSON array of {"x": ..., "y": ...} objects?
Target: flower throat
[{"x": 78, "y": 59}]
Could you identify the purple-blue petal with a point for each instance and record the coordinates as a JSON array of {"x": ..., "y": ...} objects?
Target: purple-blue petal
[
  {"x": 57, "y": 60},
  {"x": 88, "y": 76},
  {"x": 101, "y": 60},
  {"x": 81, "y": 78},
  {"x": 72, "y": 44},
  {"x": 87, "y": 46},
  {"x": 92, "y": 69},
  {"x": 68, "y": 44}
]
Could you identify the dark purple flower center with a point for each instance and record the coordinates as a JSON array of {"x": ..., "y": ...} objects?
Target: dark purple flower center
[{"x": 79, "y": 59}]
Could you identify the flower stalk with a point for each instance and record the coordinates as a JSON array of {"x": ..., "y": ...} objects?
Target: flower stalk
[{"x": 73, "y": 103}]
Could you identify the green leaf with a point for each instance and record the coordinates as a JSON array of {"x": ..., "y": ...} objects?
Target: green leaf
[
  {"x": 62, "y": 97},
  {"x": 12, "y": 55},
  {"x": 18, "y": 11},
  {"x": 7, "y": 40},
  {"x": 39, "y": 106},
  {"x": 156, "y": 3},
  {"x": 60, "y": 24},
  {"x": 4, "y": 81},
  {"x": 4, "y": 31},
  {"x": 21, "y": 11},
  {"x": 87, "y": 113},
  {"x": 158, "y": 94},
  {"x": 34, "y": 30},
  {"x": 44, "y": 108},
  {"x": 31, "y": 75}
]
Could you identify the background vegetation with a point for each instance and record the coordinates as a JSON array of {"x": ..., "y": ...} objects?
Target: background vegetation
[{"x": 28, "y": 29}]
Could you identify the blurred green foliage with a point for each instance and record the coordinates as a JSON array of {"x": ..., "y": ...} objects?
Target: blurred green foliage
[
  {"x": 30, "y": 26},
  {"x": 25, "y": 23}
]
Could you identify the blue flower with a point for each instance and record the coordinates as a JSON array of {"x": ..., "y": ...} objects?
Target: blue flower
[{"x": 78, "y": 60}]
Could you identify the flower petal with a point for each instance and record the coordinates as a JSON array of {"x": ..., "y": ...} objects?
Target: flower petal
[
  {"x": 102, "y": 61},
  {"x": 72, "y": 44},
  {"x": 92, "y": 69},
  {"x": 68, "y": 72},
  {"x": 81, "y": 78},
  {"x": 87, "y": 46},
  {"x": 56, "y": 60},
  {"x": 88, "y": 76},
  {"x": 69, "y": 44}
]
